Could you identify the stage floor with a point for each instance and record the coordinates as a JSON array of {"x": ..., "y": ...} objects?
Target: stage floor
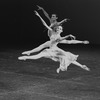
[{"x": 38, "y": 80}]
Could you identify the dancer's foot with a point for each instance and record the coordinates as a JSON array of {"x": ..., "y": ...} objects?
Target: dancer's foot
[
  {"x": 86, "y": 42},
  {"x": 22, "y": 58},
  {"x": 86, "y": 68},
  {"x": 58, "y": 70},
  {"x": 26, "y": 52}
]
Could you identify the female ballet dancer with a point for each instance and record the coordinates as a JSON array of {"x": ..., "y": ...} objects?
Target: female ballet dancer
[
  {"x": 57, "y": 54},
  {"x": 53, "y": 36}
]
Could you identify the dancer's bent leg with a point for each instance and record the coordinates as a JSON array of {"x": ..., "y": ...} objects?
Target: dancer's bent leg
[
  {"x": 64, "y": 63},
  {"x": 80, "y": 65},
  {"x": 74, "y": 41}
]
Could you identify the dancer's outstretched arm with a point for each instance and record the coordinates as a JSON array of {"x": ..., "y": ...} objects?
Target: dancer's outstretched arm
[
  {"x": 45, "y": 13},
  {"x": 64, "y": 20},
  {"x": 62, "y": 39},
  {"x": 44, "y": 23},
  {"x": 70, "y": 35}
]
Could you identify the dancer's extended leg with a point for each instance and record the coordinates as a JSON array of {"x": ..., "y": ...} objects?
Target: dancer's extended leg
[
  {"x": 74, "y": 41},
  {"x": 40, "y": 55},
  {"x": 80, "y": 65},
  {"x": 44, "y": 45}
]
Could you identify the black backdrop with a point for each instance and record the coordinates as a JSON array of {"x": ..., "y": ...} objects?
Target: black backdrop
[{"x": 21, "y": 27}]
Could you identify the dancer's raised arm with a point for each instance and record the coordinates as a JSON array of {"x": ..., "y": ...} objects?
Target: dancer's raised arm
[
  {"x": 61, "y": 39},
  {"x": 44, "y": 23},
  {"x": 71, "y": 36},
  {"x": 45, "y": 13}
]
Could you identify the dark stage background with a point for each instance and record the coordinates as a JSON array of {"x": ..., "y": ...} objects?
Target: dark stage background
[
  {"x": 20, "y": 27},
  {"x": 21, "y": 30}
]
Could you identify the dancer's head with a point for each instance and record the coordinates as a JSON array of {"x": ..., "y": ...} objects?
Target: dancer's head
[
  {"x": 59, "y": 29},
  {"x": 54, "y": 16}
]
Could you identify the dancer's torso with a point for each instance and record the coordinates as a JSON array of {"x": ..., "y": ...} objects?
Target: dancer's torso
[{"x": 53, "y": 26}]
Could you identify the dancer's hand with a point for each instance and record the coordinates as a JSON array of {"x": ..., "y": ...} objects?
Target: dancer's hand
[
  {"x": 86, "y": 42},
  {"x": 39, "y": 8},
  {"x": 36, "y": 13},
  {"x": 72, "y": 36},
  {"x": 65, "y": 20}
]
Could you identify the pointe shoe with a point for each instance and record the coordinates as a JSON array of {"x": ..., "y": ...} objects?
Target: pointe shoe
[
  {"x": 22, "y": 58},
  {"x": 58, "y": 70},
  {"x": 27, "y": 53},
  {"x": 86, "y": 42},
  {"x": 86, "y": 68}
]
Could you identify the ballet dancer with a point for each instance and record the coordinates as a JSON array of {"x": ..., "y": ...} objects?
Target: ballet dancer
[
  {"x": 57, "y": 54},
  {"x": 53, "y": 19}
]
